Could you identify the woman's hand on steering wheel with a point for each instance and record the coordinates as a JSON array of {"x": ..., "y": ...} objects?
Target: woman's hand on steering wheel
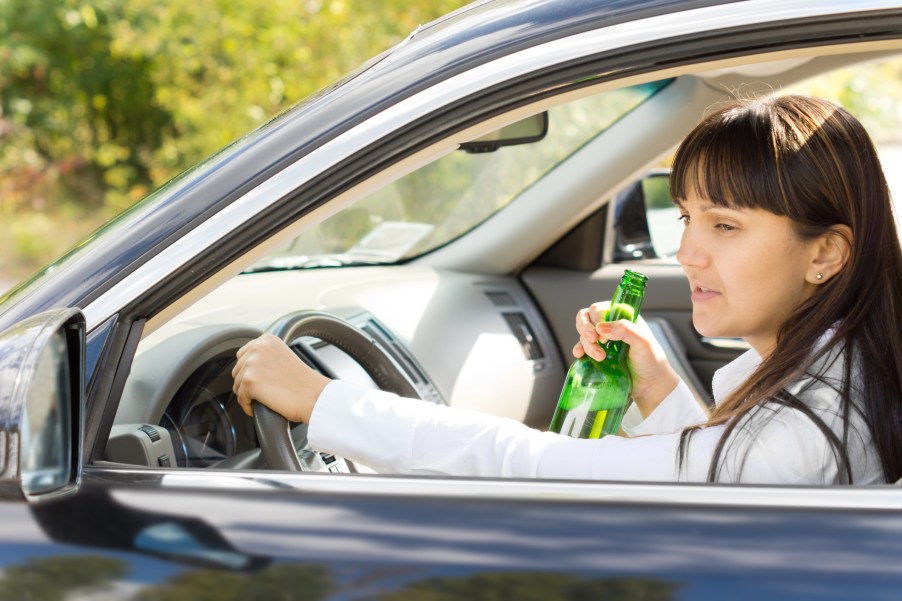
[{"x": 269, "y": 372}]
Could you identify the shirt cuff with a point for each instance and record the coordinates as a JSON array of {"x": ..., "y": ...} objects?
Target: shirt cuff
[{"x": 366, "y": 426}]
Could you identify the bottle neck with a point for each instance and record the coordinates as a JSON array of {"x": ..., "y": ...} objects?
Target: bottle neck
[{"x": 625, "y": 304}]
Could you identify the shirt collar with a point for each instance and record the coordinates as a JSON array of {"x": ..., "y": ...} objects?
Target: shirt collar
[{"x": 730, "y": 376}]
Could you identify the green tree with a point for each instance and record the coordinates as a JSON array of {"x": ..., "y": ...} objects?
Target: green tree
[
  {"x": 534, "y": 587},
  {"x": 872, "y": 92},
  {"x": 223, "y": 67},
  {"x": 79, "y": 124},
  {"x": 200, "y": 585},
  {"x": 54, "y": 578},
  {"x": 74, "y": 102},
  {"x": 102, "y": 101},
  {"x": 280, "y": 582}
]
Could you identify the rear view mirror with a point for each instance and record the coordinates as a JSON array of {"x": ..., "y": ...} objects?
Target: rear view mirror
[
  {"x": 41, "y": 399},
  {"x": 526, "y": 131}
]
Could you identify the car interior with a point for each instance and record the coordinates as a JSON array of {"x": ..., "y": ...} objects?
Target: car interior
[{"x": 465, "y": 264}]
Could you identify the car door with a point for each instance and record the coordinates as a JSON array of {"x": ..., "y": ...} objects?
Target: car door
[
  {"x": 203, "y": 534},
  {"x": 245, "y": 534}
]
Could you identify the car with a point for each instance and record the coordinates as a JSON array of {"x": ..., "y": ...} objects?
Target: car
[{"x": 429, "y": 225}]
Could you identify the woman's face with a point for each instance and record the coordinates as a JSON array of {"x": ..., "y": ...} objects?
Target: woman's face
[{"x": 746, "y": 270}]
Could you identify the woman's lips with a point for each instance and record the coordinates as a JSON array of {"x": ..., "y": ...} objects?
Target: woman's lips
[{"x": 701, "y": 294}]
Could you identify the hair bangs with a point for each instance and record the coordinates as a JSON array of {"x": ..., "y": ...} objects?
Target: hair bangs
[{"x": 728, "y": 162}]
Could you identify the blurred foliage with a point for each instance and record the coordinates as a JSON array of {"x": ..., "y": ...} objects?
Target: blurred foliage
[
  {"x": 223, "y": 67},
  {"x": 58, "y": 578},
  {"x": 73, "y": 104},
  {"x": 870, "y": 91},
  {"x": 534, "y": 587},
  {"x": 281, "y": 582},
  {"x": 101, "y": 101}
]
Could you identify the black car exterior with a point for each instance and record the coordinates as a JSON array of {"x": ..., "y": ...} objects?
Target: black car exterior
[{"x": 109, "y": 531}]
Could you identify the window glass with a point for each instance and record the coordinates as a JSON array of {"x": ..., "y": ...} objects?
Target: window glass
[
  {"x": 443, "y": 200},
  {"x": 871, "y": 92},
  {"x": 663, "y": 225}
]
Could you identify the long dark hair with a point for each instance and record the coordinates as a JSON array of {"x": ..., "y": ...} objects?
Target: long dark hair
[{"x": 811, "y": 161}]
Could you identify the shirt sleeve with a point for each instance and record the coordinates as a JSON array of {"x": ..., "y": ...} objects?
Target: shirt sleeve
[
  {"x": 398, "y": 435},
  {"x": 677, "y": 411}
]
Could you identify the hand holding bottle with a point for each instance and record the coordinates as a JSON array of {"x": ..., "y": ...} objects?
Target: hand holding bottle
[
  {"x": 653, "y": 377},
  {"x": 596, "y": 394}
]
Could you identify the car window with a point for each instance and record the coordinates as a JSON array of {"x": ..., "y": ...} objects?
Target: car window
[
  {"x": 870, "y": 91},
  {"x": 449, "y": 197},
  {"x": 663, "y": 226}
]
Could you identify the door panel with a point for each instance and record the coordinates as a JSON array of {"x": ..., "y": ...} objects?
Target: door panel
[{"x": 278, "y": 538}]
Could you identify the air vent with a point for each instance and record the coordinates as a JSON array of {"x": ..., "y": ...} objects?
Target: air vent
[
  {"x": 500, "y": 298},
  {"x": 524, "y": 334},
  {"x": 393, "y": 348}
]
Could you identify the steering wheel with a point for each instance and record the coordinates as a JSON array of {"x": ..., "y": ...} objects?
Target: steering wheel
[{"x": 273, "y": 430}]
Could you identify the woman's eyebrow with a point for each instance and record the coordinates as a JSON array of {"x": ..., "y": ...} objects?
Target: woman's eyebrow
[{"x": 703, "y": 207}]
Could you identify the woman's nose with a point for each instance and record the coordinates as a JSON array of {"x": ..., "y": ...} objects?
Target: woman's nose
[{"x": 690, "y": 253}]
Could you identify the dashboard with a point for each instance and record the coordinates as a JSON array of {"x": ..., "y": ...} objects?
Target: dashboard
[
  {"x": 204, "y": 421},
  {"x": 460, "y": 340}
]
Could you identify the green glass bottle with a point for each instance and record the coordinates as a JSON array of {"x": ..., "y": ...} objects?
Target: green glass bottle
[{"x": 596, "y": 393}]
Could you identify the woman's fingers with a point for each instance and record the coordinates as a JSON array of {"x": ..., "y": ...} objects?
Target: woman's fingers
[
  {"x": 644, "y": 348},
  {"x": 591, "y": 315},
  {"x": 653, "y": 377},
  {"x": 590, "y": 345},
  {"x": 598, "y": 312},
  {"x": 268, "y": 371},
  {"x": 251, "y": 359},
  {"x": 623, "y": 330},
  {"x": 586, "y": 319}
]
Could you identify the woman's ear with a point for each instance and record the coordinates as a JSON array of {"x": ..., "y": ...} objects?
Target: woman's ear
[{"x": 831, "y": 253}]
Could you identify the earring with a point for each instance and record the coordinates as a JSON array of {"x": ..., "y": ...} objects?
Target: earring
[{"x": 819, "y": 276}]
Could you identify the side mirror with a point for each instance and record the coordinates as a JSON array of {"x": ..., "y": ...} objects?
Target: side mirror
[
  {"x": 41, "y": 405},
  {"x": 526, "y": 131},
  {"x": 645, "y": 221}
]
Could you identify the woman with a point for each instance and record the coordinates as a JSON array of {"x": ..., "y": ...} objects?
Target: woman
[{"x": 789, "y": 243}]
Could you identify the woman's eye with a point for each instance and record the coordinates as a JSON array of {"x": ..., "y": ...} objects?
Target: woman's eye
[
  {"x": 725, "y": 227},
  {"x": 684, "y": 218}
]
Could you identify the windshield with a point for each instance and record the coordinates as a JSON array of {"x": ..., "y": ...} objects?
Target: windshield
[{"x": 445, "y": 199}]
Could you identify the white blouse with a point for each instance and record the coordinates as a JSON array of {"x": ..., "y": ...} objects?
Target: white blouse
[{"x": 391, "y": 434}]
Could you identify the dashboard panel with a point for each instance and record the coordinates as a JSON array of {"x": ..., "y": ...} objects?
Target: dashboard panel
[
  {"x": 205, "y": 422},
  {"x": 461, "y": 340}
]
